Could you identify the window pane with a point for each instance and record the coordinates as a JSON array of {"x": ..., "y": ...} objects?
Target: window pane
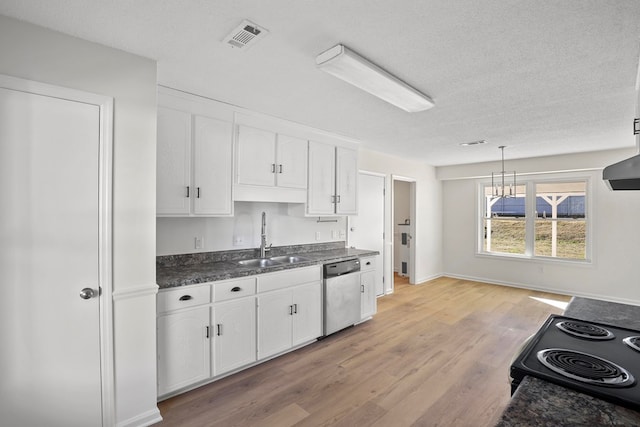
[
  {"x": 570, "y": 238},
  {"x": 504, "y": 235}
]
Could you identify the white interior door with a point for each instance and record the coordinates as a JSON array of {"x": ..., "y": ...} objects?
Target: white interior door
[
  {"x": 50, "y": 367},
  {"x": 366, "y": 230}
]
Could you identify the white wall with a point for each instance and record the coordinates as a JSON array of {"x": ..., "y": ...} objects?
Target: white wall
[
  {"x": 428, "y": 221},
  {"x": 177, "y": 235},
  {"x": 614, "y": 272},
  {"x": 35, "y": 53}
]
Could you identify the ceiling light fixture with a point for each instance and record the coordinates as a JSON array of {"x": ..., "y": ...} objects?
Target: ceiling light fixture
[
  {"x": 467, "y": 144},
  {"x": 500, "y": 187},
  {"x": 352, "y": 68}
]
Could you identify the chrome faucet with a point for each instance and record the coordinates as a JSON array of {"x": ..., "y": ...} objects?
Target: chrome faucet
[{"x": 263, "y": 237}]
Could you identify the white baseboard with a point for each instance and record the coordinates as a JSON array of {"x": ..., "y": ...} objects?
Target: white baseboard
[
  {"x": 542, "y": 289},
  {"x": 142, "y": 420}
]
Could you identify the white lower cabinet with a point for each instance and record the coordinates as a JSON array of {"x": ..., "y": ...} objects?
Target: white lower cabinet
[
  {"x": 289, "y": 317},
  {"x": 368, "y": 302},
  {"x": 183, "y": 349},
  {"x": 234, "y": 330},
  {"x": 289, "y": 309},
  {"x": 208, "y": 330}
]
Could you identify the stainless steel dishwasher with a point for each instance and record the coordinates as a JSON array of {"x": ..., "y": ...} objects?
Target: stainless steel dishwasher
[{"x": 341, "y": 295}]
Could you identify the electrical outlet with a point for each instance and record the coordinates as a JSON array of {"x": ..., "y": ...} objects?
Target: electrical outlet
[
  {"x": 199, "y": 242},
  {"x": 342, "y": 234},
  {"x": 317, "y": 235},
  {"x": 238, "y": 240}
]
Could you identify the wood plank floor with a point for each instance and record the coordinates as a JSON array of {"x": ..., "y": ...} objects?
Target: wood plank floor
[{"x": 436, "y": 354}]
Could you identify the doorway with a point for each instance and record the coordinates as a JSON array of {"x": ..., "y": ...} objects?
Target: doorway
[
  {"x": 404, "y": 226},
  {"x": 55, "y": 256}
]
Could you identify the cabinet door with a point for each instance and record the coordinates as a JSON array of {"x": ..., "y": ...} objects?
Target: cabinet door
[
  {"x": 307, "y": 313},
  {"x": 275, "y": 314},
  {"x": 183, "y": 349},
  {"x": 291, "y": 157},
  {"x": 234, "y": 329},
  {"x": 321, "y": 191},
  {"x": 346, "y": 181},
  {"x": 368, "y": 293},
  {"x": 256, "y": 156},
  {"x": 212, "y": 160},
  {"x": 173, "y": 162}
]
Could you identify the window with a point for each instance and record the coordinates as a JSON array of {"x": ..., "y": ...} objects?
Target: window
[{"x": 541, "y": 219}]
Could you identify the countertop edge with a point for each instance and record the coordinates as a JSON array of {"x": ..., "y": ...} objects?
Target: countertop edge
[{"x": 186, "y": 275}]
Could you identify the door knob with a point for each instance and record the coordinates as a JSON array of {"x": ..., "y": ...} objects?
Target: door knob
[{"x": 87, "y": 293}]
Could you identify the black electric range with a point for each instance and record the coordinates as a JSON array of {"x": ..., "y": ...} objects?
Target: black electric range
[{"x": 594, "y": 358}]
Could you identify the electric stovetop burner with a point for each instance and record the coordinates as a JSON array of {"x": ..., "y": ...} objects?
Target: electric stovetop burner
[
  {"x": 593, "y": 358},
  {"x": 633, "y": 342},
  {"x": 585, "y": 367},
  {"x": 585, "y": 330}
]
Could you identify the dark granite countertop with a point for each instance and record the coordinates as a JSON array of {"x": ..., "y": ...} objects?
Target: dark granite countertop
[
  {"x": 182, "y": 270},
  {"x": 611, "y": 313},
  {"x": 540, "y": 403},
  {"x": 543, "y": 404}
]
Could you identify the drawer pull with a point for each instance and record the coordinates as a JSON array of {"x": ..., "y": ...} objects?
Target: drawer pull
[
  {"x": 185, "y": 297},
  {"x": 236, "y": 289},
  {"x": 368, "y": 263}
]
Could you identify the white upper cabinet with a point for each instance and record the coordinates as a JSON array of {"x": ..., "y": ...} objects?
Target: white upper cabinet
[
  {"x": 291, "y": 160},
  {"x": 333, "y": 174},
  {"x": 212, "y": 154},
  {"x": 269, "y": 159},
  {"x": 322, "y": 173},
  {"x": 256, "y": 156},
  {"x": 173, "y": 162},
  {"x": 194, "y": 157},
  {"x": 346, "y": 181}
]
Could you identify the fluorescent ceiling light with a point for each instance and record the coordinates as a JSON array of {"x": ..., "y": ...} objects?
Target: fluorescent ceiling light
[{"x": 352, "y": 68}]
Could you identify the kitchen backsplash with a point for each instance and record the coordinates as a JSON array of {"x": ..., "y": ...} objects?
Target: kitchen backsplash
[{"x": 242, "y": 231}]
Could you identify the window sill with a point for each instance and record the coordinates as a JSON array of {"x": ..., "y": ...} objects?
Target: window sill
[{"x": 537, "y": 259}]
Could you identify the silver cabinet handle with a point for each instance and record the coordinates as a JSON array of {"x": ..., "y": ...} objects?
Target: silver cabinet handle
[
  {"x": 273, "y": 168},
  {"x": 236, "y": 289},
  {"x": 197, "y": 192},
  {"x": 185, "y": 298},
  {"x": 338, "y": 201},
  {"x": 362, "y": 289},
  {"x": 87, "y": 293},
  {"x": 295, "y": 308},
  {"x": 219, "y": 327},
  {"x": 291, "y": 310},
  {"x": 280, "y": 168},
  {"x": 188, "y": 195},
  {"x": 207, "y": 331}
]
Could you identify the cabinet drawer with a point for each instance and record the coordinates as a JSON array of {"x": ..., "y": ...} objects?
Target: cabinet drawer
[
  {"x": 284, "y": 279},
  {"x": 368, "y": 263},
  {"x": 187, "y": 296},
  {"x": 224, "y": 291}
]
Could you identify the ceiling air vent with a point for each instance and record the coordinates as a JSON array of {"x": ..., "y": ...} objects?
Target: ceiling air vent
[{"x": 245, "y": 35}]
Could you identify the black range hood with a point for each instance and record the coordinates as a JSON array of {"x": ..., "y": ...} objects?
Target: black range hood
[{"x": 624, "y": 175}]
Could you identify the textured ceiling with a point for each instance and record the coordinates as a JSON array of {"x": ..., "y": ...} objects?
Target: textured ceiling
[{"x": 542, "y": 77}]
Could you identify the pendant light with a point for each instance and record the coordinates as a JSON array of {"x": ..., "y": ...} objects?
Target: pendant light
[{"x": 503, "y": 183}]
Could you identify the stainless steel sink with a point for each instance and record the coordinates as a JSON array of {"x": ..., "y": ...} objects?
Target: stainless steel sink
[
  {"x": 287, "y": 259},
  {"x": 259, "y": 262}
]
